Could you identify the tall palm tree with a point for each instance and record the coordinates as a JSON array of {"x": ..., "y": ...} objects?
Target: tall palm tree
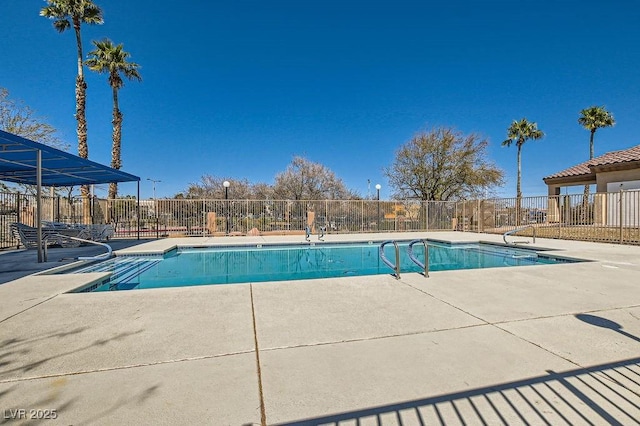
[
  {"x": 66, "y": 14},
  {"x": 112, "y": 59},
  {"x": 520, "y": 132},
  {"x": 594, "y": 118}
]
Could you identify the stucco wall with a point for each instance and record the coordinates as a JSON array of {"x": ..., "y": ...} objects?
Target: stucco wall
[{"x": 603, "y": 178}]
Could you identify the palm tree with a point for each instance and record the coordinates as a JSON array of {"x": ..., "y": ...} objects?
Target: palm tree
[
  {"x": 65, "y": 14},
  {"x": 594, "y": 118},
  {"x": 110, "y": 58},
  {"x": 520, "y": 132}
]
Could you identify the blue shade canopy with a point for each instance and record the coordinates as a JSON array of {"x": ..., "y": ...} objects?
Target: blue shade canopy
[{"x": 18, "y": 158}]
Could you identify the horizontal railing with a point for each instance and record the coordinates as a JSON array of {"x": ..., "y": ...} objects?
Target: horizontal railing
[
  {"x": 608, "y": 217},
  {"x": 222, "y": 217}
]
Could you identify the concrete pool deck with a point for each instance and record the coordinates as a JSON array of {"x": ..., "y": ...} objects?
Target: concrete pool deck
[{"x": 544, "y": 344}]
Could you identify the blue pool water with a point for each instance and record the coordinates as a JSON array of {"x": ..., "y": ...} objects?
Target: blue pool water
[{"x": 227, "y": 265}]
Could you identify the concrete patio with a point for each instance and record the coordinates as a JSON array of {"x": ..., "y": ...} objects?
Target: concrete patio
[{"x": 546, "y": 344}]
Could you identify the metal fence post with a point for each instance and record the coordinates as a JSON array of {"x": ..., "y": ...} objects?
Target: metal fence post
[
  {"x": 560, "y": 207},
  {"x": 426, "y": 215},
  {"x": 464, "y": 215},
  {"x": 326, "y": 216},
  {"x": 621, "y": 217},
  {"x": 18, "y": 207},
  {"x": 395, "y": 220},
  {"x": 455, "y": 215}
]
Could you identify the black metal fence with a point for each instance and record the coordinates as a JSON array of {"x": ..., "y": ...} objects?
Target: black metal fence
[{"x": 610, "y": 217}]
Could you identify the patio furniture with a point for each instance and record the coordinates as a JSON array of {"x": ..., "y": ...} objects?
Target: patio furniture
[
  {"x": 28, "y": 236},
  {"x": 101, "y": 232},
  {"x": 96, "y": 232}
]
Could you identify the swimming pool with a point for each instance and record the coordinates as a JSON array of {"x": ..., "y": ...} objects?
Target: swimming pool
[{"x": 228, "y": 265}]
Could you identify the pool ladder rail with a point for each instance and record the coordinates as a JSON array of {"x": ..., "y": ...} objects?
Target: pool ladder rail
[
  {"x": 307, "y": 232},
  {"x": 102, "y": 256},
  {"x": 412, "y": 256},
  {"x": 513, "y": 231}
]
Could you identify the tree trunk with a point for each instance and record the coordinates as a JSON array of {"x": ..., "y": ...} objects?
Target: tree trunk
[
  {"x": 116, "y": 147},
  {"x": 518, "y": 186},
  {"x": 83, "y": 148},
  {"x": 81, "y": 96},
  {"x": 585, "y": 217},
  {"x": 584, "y": 214}
]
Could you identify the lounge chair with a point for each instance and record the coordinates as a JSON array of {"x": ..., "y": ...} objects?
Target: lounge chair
[
  {"x": 101, "y": 232},
  {"x": 28, "y": 236},
  {"x": 87, "y": 232}
]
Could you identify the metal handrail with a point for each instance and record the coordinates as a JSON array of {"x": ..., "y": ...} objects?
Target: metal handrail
[
  {"x": 323, "y": 229},
  {"x": 396, "y": 267},
  {"x": 102, "y": 256},
  {"x": 307, "y": 233},
  {"x": 513, "y": 231},
  {"x": 412, "y": 256}
]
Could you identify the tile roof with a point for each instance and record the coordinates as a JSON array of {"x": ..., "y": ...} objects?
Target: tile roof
[{"x": 613, "y": 157}]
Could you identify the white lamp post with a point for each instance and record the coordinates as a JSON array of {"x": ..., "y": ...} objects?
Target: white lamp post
[
  {"x": 154, "y": 186},
  {"x": 155, "y": 204},
  {"x": 226, "y": 185},
  {"x": 378, "y": 186}
]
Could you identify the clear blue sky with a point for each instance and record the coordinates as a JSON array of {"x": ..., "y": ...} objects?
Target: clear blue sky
[{"x": 236, "y": 89}]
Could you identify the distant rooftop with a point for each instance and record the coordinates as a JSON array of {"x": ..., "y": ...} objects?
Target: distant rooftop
[{"x": 631, "y": 155}]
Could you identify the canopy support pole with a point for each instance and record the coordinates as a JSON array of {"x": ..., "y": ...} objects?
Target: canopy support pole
[
  {"x": 138, "y": 209},
  {"x": 39, "y": 203}
]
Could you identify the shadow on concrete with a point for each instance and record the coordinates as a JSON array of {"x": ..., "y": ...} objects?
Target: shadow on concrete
[
  {"x": 16, "y": 264},
  {"x": 605, "y": 323},
  {"x": 136, "y": 400},
  {"x": 607, "y": 393},
  {"x": 14, "y": 350},
  {"x": 15, "y": 342}
]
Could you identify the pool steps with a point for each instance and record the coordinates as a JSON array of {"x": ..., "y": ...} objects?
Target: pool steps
[
  {"x": 123, "y": 270},
  {"x": 425, "y": 266}
]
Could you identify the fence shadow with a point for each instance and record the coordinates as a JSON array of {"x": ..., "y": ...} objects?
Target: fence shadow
[
  {"x": 607, "y": 393},
  {"x": 15, "y": 350}
]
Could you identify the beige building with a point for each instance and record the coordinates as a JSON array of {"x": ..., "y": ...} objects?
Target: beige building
[{"x": 611, "y": 173}]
